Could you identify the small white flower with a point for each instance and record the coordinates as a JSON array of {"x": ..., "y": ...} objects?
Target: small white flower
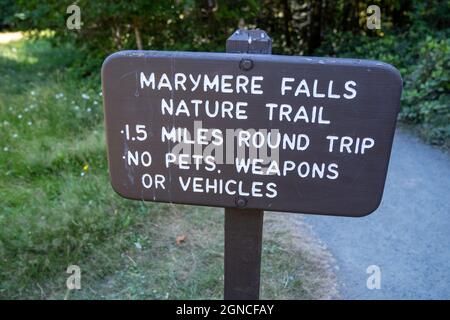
[
  {"x": 32, "y": 93},
  {"x": 19, "y": 116},
  {"x": 15, "y": 135},
  {"x": 26, "y": 109},
  {"x": 76, "y": 108},
  {"x": 6, "y": 149},
  {"x": 88, "y": 109},
  {"x": 30, "y": 123},
  {"x": 85, "y": 96},
  {"x": 82, "y": 174},
  {"x": 5, "y": 123},
  {"x": 138, "y": 245},
  {"x": 95, "y": 102},
  {"x": 100, "y": 94}
]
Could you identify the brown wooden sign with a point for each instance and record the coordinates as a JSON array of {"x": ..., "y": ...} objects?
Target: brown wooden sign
[{"x": 279, "y": 133}]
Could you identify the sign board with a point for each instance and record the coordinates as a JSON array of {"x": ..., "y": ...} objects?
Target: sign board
[{"x": 279, "y": 133}]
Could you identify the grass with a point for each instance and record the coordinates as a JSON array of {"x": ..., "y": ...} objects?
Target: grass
[
  {"x": 57, "y": 207},
  {"x": 56, "y": 202}
]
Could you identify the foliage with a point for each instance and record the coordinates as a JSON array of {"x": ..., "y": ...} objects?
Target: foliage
[
  {"x": 424, "y": 63},
  {"x": 298, "y": 27},
  {"x": 8, "y": 15},
  {"x": 412, "y": 38},
  {"x": 112, "y": 26},
  {"x": 427, "y": 90}
]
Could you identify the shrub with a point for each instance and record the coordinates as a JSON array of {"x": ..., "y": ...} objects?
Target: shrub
[{"x": 424, "y": 65}]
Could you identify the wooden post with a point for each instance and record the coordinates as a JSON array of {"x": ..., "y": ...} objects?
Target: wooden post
[
  {"x": 243, "y": 243},
  {"x": 243, "y": 227}
]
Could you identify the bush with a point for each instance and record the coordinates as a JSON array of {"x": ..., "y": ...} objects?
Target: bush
[
  {"x": 424, "y": 63},
  {"x": 414, "y": 37},
  {"x": 427, "y": 91}
]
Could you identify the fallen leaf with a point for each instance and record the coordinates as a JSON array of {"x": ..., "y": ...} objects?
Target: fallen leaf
[{"x": 180, "y": 239}]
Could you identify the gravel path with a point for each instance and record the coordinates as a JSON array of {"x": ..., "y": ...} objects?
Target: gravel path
[{"x": 408, "y": 237}]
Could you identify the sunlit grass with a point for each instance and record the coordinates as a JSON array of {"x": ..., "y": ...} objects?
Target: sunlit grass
[
  {"x": 56, "y": 202},
  {"x": 7, "y": 37}
]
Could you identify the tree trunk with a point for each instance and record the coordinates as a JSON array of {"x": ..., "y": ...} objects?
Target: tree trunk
[
  {"x": 287, "y": 23},
  {"x": 137, "y": 34},
  {"x": 117, "y": 36},
  {"x": 315, "y": 27}
]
